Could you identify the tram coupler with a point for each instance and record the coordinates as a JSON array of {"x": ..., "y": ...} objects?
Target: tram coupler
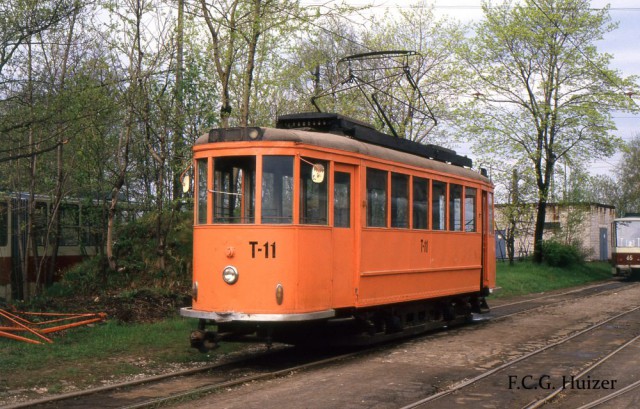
[{"x": 204, "y": 341}]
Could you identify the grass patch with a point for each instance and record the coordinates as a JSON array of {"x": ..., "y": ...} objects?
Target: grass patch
[
  {"x": 93, "y": 356},
  {"x": 526, "y": 277}
]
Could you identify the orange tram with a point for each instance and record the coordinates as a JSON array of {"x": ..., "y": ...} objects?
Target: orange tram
[{"x": 324, "y": 228}]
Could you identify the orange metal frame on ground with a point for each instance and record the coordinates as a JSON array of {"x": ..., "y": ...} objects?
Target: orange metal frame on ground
[{"x": 17, "y": 322}]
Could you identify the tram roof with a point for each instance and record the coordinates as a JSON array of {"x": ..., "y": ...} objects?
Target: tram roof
[
  {"x": 339, "y": 142},
  {"x": 627, "y": 219}
]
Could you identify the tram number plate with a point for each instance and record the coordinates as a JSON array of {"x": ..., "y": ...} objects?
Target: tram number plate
[
  {"x": 424, "y": 246},
  {"x": 266, "y": 249}
]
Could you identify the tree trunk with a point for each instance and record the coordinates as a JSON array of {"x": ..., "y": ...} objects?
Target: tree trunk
[
  {"x": 58, "y": 194},
  {"x": 178, "y": 137},
  {"x": 539, "y": 231},
  {"x": 251, "y": 57}
]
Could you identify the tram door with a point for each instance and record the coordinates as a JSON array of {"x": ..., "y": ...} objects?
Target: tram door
[
  {"x": 344, "y": 249},
  {"x": 488, "y": 241}
]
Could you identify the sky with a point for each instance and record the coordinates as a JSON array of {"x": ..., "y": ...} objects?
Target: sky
[{"x": 622, "y": 43}]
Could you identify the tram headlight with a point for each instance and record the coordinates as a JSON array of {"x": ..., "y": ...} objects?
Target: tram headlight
[{"x": 230, "y": 275}]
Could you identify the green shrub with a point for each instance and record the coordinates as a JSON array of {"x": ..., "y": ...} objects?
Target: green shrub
[{"x": 557, "y": 254}]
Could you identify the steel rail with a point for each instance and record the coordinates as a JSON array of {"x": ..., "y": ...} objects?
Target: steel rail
[
  {"x": 194, "y": 393},
  {"x": 538, "y": 403},
  {"x": 556, "y": 302},
  {"x": 506, "y": 365},
  {"x": 137, "y": 382},
  {"x": 613, "y": 395},
  {"x": 573, "y": 291}
]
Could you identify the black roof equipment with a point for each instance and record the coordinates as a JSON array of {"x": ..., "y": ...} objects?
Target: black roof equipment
[{"x": 342, "y": 125}]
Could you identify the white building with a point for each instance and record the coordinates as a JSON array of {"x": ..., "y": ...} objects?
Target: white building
[{"x": 588, "y": 224}]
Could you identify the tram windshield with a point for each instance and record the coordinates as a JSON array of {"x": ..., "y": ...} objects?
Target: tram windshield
[
  {"x": 627, "y": 233},
  {"x": 234, "y": 186},
  {"x": 277, "y": 189}
]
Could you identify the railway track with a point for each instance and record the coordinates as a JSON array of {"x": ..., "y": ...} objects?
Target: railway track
[
  {"x": 527, "y": 304},
  {"x": 188, "y": 384},
  {"x": 624, "y": 352},
  {"x": 555, "y": 371},
  {"x": 281, "y": 362}
]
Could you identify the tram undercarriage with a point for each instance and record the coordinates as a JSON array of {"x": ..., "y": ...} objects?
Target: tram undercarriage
[{"x": 350, "y": 327}]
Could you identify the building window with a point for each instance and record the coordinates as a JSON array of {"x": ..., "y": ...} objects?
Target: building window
[
  {"x": 376, "y": 198},
  {"x": 420, "y": 203},
  {"x": 438, "y": 205},
  {"x": 277, "y": 189},
  {"x": 342, "y": 200},
  {"x": 470, "y": 195},
  {"x": 313, "y": 194},
  {"x": 234, "y": 186},
  {"x": 399, "y": 200},
  {"x": 201, "y": 183}
]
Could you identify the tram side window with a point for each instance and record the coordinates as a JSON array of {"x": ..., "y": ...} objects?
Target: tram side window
[
  {"x": 376, "y": 198},
  {"x": 4, "y": 224},
  {"x": 399, "y": 200},
  {"x": 470, "y": 209},
  {"x": 70, "y": 225},
  {"x": 277, "y": 189},
  {"x": 342, "y": 200},
  {"x": 234, "y": 186},
  {"x": 420, "y": 203},
  {"x": 93, "y": 225},
  {"x": 455, "y": 207},
  {"x": 438, "y": 205},
  {"x": 202, "y": 191},
  {"x": 40, "y": 222},
  {"x": 313, "y": 195}
]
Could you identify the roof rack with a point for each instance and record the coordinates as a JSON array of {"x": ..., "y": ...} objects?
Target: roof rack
[{"x": 352, "y": 128}]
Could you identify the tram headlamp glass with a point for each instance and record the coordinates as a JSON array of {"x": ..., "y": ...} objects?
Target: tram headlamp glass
[{"x": 230, "y": 275}]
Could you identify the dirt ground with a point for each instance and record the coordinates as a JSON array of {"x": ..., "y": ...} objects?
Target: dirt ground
[{"x": 407, "y": 372}]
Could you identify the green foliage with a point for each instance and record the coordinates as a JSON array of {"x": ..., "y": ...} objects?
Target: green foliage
[
  {"x": 139, "y": 267},
  {"x": 628, "y": 177},
  {"x": 85, "y": 278},
  {"x": 542, "y": 90},
  {"x": 137, "y": 252},
  {"x": 557, "y": 254}
]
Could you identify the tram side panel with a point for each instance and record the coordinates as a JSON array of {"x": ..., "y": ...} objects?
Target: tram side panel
[{"x": 408, "y": 266}]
